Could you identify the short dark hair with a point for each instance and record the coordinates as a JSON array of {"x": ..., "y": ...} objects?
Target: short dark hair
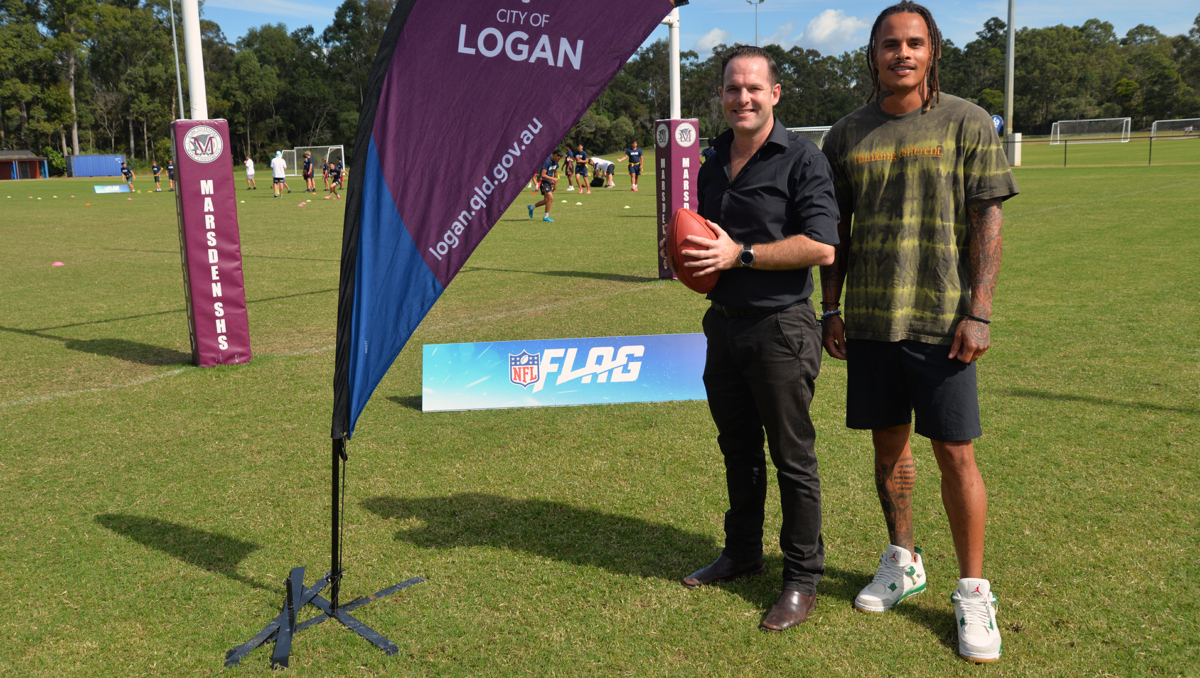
[
  {"x": 935, "y": 49},
  {"x": 556, "y": 152},
  {"x": 743, "y": 51}
]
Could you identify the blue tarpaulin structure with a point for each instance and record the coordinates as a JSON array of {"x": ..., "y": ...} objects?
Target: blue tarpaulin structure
[{"x": 94, "y": 165}]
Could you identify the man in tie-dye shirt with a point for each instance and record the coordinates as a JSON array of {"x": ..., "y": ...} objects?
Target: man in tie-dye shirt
[{"x": 920, "y": 177}]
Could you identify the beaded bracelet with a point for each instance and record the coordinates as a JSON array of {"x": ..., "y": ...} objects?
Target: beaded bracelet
[{"x": 830, "y": 314}]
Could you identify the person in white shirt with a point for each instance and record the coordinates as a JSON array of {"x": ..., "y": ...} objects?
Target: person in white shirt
[
  {"x": 250, "y": 183},
  {"x": 604, "y": 169},
  {"x": 278, "y": 171}
]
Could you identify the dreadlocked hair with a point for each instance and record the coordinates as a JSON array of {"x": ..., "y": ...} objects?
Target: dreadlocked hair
[{"x": 933, "y": 89}]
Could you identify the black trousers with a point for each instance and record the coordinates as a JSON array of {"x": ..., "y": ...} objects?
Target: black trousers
[{"x": 759, "y": 375}]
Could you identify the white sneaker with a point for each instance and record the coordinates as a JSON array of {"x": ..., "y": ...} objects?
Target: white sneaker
[
  {"x": 570, "y": 188},
  {"x": 899, "y": 576},
  {"x": 975, "y": 612}
]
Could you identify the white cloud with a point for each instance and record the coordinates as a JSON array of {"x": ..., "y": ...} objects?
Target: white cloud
[
  {"x": 781, "y": 36},
  {"x": 711, "y": 39},
  {"x": 832, "y": 32}
]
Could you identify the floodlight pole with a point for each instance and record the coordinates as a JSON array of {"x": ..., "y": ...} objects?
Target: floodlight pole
[
  {"x": 1013, "y": 141},
  {"x": 756, "y": 4},
  {"x": 175, "y": 50}
]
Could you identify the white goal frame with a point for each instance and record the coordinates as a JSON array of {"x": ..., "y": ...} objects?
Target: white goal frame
[
  {"x": 332, "y": 152},
  {"x": 814, "y": 134},
  {"x": 1185, "y": 128},
  {"x": 1057, "y": 139},
  {"x": 289, "y": 157}
]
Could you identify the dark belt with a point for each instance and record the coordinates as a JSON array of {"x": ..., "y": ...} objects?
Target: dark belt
[{"x": 746, "y": 312}]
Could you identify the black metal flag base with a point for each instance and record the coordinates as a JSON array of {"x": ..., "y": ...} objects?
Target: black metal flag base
[{"x": 285, "y": 626}]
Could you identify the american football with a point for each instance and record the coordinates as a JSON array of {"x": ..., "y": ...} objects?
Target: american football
[{"x": 684, "y": 223}]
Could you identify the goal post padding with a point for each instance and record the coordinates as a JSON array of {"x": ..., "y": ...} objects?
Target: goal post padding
[
  {"x": 1095, "y": 131},
  {"x": 1180, "y": 128}
]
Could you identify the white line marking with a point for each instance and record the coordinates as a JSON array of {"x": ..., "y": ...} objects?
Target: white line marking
[{"x": 65, "y": 394}]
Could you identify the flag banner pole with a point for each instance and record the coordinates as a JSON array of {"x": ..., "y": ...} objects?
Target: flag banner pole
[{"x": 461, "y": 107}]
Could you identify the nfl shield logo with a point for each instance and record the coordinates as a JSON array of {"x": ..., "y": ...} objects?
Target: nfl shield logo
[{"x": 523, "y": 368}]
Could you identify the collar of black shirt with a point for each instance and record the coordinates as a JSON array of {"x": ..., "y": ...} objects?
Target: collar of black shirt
[{"x": 778, "y": 136}]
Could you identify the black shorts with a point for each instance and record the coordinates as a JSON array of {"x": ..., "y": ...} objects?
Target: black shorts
[
  {"x": 887, "y": 381},
  {"x": 279, "y": 180},
  {"x": 546, "y": 187}
]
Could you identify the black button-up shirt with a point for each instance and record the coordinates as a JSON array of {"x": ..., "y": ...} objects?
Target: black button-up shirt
[{"x": 785, "y": 189}]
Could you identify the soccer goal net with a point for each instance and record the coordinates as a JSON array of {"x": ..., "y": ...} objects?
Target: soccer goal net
[
  {"x": 1183, "y": 128},
  {"x": 290, "y": 158},
  {"x": 332, "y": 154},
  {"x": 814, "y": 134},
  {"x": 1099, "y": 131}
]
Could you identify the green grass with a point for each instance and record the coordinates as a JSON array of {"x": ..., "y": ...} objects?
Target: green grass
[
  {"x": 151, "y": 509},
  {"x": 1138, "y": 151}
]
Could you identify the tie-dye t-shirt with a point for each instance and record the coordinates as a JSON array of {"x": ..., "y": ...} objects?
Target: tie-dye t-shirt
[{"x": 908, "y": 179}]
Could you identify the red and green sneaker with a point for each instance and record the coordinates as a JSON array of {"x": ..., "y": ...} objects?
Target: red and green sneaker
[
  {"x": 975, "y": 612},
  {"x": 901, "y": 574}
]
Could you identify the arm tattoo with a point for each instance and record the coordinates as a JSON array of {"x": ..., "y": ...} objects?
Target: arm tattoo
[
  {"x": 985, "y": 219},
  {"x": 894, "y": 483}
]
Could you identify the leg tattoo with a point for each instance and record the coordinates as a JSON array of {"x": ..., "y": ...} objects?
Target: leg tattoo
[{"x": 894, "y": 483}]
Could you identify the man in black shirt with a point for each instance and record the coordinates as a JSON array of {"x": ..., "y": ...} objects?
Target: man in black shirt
[{"x": 768, "y": 194}]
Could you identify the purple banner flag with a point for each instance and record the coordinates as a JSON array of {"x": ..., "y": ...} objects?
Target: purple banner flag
[{"x": 465, "y": 102}]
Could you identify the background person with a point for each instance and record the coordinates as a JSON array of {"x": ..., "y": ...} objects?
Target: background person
[
  {"x": 171, "y": 174},
  {"x": 635, "y": 164},
  {"x": 923, "y": 176},
  {"x": 764, "y": 345},
  {"x": 250, "y": 183},
  {"x": 279, "y": 174},
  {"x": 157, "y": 170},
  {"x": 581, "y": 169},
  {"x": 546, "y": 183},
  {"x": 127, "y": 172},
  {"x": 605, "y": 169},
  {"x": 310, "y": 182}
]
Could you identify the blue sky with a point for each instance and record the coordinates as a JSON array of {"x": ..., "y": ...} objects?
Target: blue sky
[{"x": 819, "y": 24}]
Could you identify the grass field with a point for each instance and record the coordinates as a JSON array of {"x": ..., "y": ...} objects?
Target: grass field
[
  {"x": 151, "y": 509},
  {"x": 1138, "y": 151}
]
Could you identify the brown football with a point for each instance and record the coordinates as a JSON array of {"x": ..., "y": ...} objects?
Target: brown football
[{"x": 684, "y": 223}]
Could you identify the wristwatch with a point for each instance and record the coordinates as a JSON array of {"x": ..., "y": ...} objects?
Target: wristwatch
[{"x": 747, "y": 256}]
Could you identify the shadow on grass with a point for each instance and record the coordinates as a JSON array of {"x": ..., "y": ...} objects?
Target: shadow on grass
[
  {"x": 122, "y": 349},
  {"x": 554, "y": 530},
  {"x": 411, "y": 402},
  {"x": 212, "y": 551},
  {"x": 132, "y": 351},
  {"x": 613, "y": 277},
  {"x": 1093, "y": 400}
]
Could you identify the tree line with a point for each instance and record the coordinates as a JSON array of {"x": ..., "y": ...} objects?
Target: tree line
[{"x": 98, "y": 76}]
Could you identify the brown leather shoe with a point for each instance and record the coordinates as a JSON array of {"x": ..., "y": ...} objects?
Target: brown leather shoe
[
  {"x": 723, "y": 569},
  {"x": 791, "y": 610}
]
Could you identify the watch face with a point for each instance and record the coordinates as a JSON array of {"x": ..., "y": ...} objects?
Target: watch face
[{"x": 747, "y": 257}]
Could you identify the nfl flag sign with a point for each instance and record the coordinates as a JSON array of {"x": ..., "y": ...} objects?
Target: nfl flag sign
[{"x": 431, "y": 187}]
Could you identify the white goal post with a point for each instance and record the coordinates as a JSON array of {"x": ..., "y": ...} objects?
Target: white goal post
[
  {"x": 1096, "y": 131},
  {"x": 289, "y": 157},
  {"x": 319, "y": 153},
  {"x": 814, "y": 134},
  {"x": 1181, "y": 128}
]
